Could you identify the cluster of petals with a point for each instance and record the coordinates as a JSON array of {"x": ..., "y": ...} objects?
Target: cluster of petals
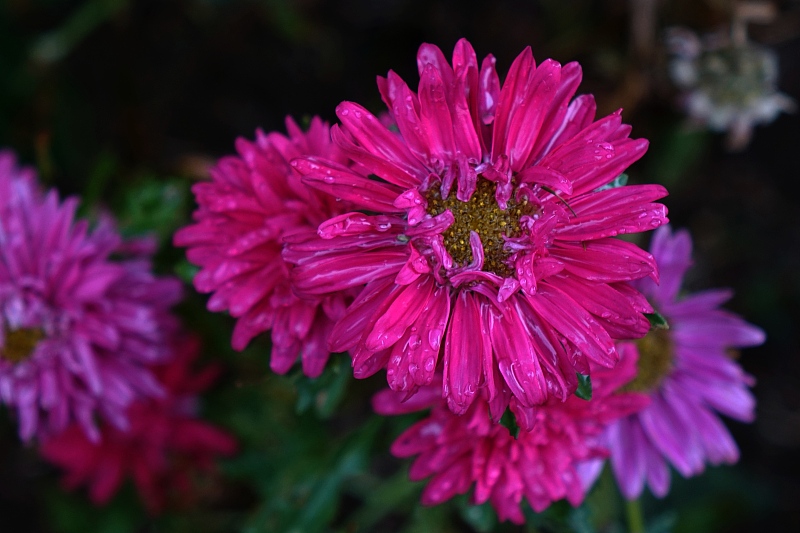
[
  {"x": 252, "y": 203},
  {"x": 542, "y": 465},
  {"x": 163, "y": 448},
  {"x": 682, "y": 426},
  {"x": 562, "y": 295},
  {"x": 78, "y": 328}
]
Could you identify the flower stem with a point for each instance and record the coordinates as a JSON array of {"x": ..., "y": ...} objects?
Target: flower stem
[{"x": 633, "y": 509}]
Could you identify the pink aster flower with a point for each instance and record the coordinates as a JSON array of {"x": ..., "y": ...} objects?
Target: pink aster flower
[
  {"x": 542, "y": 465},
  {"x": 253, "y": 202},
  {"x": 690, "y": 377},
  {"x": 77, "y": 329},
  {"x": 486, "y": 245},
  {"x": 164, "y": 447}
]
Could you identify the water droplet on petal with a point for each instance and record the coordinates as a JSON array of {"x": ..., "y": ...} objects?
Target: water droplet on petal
[{"x": 435, "y": 338}]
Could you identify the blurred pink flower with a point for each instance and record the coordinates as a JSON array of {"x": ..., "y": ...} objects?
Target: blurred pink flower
[
  {"x": 164, "y": 447},
  {"x": 542, "y": 465},
  {"x": 253, "y": 202},
  {"x": 487, "y": 239},
  {"x": 78, "y": 330},
  {"x": 690, "y": 377}
]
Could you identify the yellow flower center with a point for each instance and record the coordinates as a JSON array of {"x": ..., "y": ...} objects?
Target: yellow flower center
[
  {"x": 656, "y": 358},
  {"x": 20, "y": 343},
  {"x": 482, "y": 215}
]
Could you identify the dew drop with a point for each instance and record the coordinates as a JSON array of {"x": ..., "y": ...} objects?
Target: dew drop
[
  {"x": 414, "y": 341},
  {"x": 435, "y": 338}
]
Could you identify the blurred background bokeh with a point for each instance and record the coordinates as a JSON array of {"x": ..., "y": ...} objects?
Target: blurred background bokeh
[{"x": 127, "y": 102}]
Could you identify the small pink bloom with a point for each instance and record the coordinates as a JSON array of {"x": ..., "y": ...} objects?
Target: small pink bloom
[
  {"x": 165, "y": 444},
  {"x": 690, "y": 377},
  {"x": 486, "y": 246},
  {"x": 253, "y": 203},
  {"x": 78, "y": 330},
  {"x": 542, "y": 465}
]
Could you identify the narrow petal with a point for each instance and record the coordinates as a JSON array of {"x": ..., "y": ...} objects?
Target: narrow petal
[
  {"x": 340, "y": 182},
  {"x": 435, "y": 114},
  {"x": 516, "y": 80},
  {"x": 517, "y": 358},
  {"x": 464, "y": 350},
  {"x": 339, "y": 272},
  {"x": 373, "y": 136},
  {"x": 575, "y": 324},
  {"x": 605, "y": 260},
  {"x": 530, "y": 111},
  {"x": 409, "y": 302}
]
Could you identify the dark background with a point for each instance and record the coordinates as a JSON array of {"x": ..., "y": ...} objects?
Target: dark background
[{"x": 110, "y": 96}]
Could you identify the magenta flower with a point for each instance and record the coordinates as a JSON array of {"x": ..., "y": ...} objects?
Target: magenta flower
[
  {"x": 164, "y": 447},
  {"x": 77, "y": 330},
  {"x": 486, "y": 243},
  {"x": 690, "y": 377},
  {"x": 542, "y": 465},
  {"x": 252, "y": 203}
]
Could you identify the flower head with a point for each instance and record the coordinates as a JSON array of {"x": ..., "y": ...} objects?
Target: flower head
[
  {"x": 542, "y": 464},
  {"x": 690, "y": 376},
  {"x": 486, "y": 245},
  {"x": 253, "y": 202},
  {"x": 727, "y": 86},
  {"x": 165, "y": 444},
  {"x": 77, "y": 329}
]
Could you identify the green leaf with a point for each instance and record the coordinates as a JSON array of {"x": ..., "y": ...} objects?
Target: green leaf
[
  {"x": 664, "y": 523},
  {"x": 155, "y": 206},
  {"x": 579, "y": 520},
  {"x": 105, "y": 168},
  {"x": 657, "y": 321},
  {"x": 510, "y": 422},
  {"x": 393, "y": 495},
  {"x": 186, "y": 271},
  {"x": 677, "y": 150},
  {"x": 584, "y": 390},
  {"x": 73, "y": 513},
  {"x": 322, "y": 503},
  {"x": 619, "y": 181},
  {"x": 327, "y": 391},
  {"x": 481, "y": 518}
]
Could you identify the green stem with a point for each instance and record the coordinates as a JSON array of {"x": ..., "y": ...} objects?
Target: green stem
[{"x": 635, "y": 519}]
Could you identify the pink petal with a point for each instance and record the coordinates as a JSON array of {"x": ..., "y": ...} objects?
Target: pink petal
[
  {"x": 340, "y": 182},
  {"x": 464, "y": 351},
  {"x": 406, "y": 306}
]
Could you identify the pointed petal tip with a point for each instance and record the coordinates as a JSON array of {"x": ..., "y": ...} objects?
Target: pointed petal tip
[
  {"x": 345, "y": 108},
  {"x": 460, "y": 406}
]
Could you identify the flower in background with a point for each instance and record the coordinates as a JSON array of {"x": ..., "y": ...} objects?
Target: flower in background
[
  {"x": 727, "y": 86},
  {"x": 164, "y": 447},
  {"x": 253, "y": 202},
  {"x": 690, "y": 376},
  {"x": 542, "y": 465},
  {"x": 487, "y": 239},
  {"x": 78, "y": 330}
]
